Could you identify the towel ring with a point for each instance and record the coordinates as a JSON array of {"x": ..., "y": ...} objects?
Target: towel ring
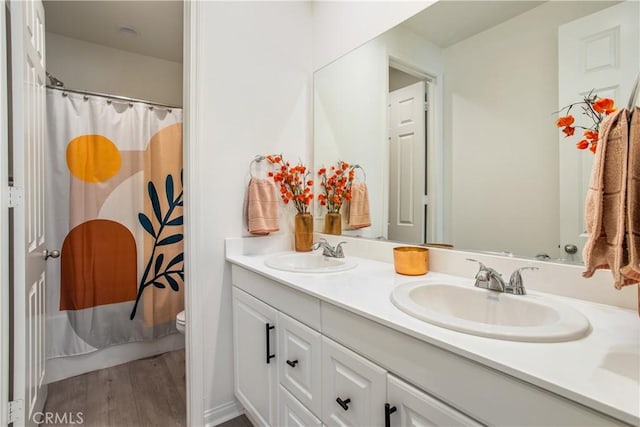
[
  {"x": 364, "y": 173},
  {"x": 257, "y": 159}
]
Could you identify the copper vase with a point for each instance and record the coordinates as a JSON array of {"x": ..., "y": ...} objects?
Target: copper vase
[
  {"x": 303, "y": 232},
  {"x": 333, "y": 223}
]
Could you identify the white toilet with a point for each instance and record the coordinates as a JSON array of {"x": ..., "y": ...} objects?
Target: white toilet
[{"x": 180, "y": 321}]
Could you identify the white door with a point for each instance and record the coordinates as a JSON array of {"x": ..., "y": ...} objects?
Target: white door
[
  {"x": 353, "y": 389},
  {"x": 600, "y": 52},
  {"x": 28, "y": 139},
  {"x": 255, "y": 363},
  {"x": 4, "y": 222},
  {"x": 407, "y": 164},
  {"x": 412, "y": 407}
]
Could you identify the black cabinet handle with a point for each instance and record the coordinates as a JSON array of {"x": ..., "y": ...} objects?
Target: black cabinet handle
[
  {"x": 292, "y": 363},
  {"x": 270, "y": 356},
  {"x": 388, "y": 410},
  {"x": 344, "y": 403}
]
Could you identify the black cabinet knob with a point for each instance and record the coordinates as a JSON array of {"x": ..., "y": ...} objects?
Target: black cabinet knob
[
  {"x": 344, "y": 403},
  {"x": 292, "y": 363}
]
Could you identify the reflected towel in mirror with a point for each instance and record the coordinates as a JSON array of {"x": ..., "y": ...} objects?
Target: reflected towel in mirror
[{"x": 359, "y": 216}]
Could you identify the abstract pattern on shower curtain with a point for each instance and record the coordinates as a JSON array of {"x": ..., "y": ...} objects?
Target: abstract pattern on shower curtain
[{"x": 115, "y": 200}]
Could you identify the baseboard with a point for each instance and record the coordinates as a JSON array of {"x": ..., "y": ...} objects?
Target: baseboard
[
  {"x": 222, "y": 413},
  {"x": 65, "y": 367}
]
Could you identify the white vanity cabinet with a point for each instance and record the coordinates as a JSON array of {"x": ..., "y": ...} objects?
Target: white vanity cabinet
[{"x": 300, "y": 361}]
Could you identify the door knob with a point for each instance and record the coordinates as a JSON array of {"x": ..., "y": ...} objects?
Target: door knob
[
  {"x": 51, "y": 254},
  {"x": 570, "y": 249}
]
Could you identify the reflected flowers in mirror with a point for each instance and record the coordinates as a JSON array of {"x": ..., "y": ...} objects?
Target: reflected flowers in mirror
[
  {"x": 336, "y": 185},
  {"x": 595, "y": 109}
]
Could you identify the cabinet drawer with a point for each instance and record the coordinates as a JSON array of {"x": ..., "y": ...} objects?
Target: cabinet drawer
[
  {"x": 416, "y": 408},
  {"x": 359, "y": 384},
  {"x": 299, "y": 350},
  {"x": 292, "y": 413}
]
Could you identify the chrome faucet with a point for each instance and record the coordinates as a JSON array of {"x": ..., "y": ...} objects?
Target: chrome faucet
[
  {"x": 488, "y": 278},
  {"x": 328, "y": 250}
]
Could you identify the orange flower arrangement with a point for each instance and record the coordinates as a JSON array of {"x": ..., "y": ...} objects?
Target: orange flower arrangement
[
  {"x": 337, "y": 187},
  {"x": 294, "y": 185},
  {"x": 593, "y": 107}
]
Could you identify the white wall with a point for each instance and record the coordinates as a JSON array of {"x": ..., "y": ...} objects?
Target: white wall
[
  {"x": 341, "y": 26},
  {"x": 501, "y": 88},
  {"x": 98, "y": 68},
  {"x": 252, "y": 69}
]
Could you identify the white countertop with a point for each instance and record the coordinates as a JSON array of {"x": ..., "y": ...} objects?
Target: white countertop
[{"x": 601, "y": 370}]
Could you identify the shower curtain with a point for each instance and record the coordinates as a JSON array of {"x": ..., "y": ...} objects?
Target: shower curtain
[{"x": 115, "y": 198}]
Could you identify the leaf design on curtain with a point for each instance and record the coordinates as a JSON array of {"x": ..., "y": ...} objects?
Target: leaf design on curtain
[{"x": 172, "y": 270}]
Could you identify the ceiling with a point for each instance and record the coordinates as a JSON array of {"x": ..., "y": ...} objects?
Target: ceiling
[
  {"x": 158, "y": 25},
  {"x": 446, "y": 23}
]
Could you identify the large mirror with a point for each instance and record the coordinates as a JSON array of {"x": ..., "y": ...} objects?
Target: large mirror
[{"x": 451, "y": 117}]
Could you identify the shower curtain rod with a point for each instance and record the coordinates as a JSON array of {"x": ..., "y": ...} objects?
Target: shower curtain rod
[{"x": 114, "y": 97}]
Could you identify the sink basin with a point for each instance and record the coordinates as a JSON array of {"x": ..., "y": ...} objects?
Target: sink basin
[
  {"x": 490, "y": 314},
  {"x": 309, "y": 263}
]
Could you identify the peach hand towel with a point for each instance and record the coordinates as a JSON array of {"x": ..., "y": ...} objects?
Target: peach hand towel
[
  {"x": 631, "y": 270},
  {"x": 359, "y": 216},
  {"x": 605, "y": 204},
  {"x": 262, "y": 206}
]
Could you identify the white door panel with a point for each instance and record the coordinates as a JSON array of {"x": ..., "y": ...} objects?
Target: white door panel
[
  {"x": 29, "y": 83},
  {"x": 407, "y": 164},
  {"x": 599, "y": 52},
  {"x": 4, "y": 221}
]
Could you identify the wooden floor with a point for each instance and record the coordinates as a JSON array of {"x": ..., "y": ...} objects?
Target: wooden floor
[
  {"x": 241, "y": 421},
  {"x": 145, "y": 392}
]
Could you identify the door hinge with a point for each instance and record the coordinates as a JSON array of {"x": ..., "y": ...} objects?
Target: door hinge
[
  {"x": 15, "y": 196},
  {"x": 426, "y": 106},
  {"x": 15, "y": 411}
]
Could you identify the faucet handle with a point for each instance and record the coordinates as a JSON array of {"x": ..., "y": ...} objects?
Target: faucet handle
[
  {"x": 516, "y": 282},
  {"x": 483, "y": 273},
  {"x": 338, "y": 250},
  {"x": 482, "y": 266}
]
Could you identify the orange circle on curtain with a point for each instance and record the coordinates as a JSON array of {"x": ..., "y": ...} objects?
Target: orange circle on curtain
[{"x": 93, "y": 158}]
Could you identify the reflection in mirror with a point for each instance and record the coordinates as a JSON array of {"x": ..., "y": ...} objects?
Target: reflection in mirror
[{"x": 451, "y": 115}]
